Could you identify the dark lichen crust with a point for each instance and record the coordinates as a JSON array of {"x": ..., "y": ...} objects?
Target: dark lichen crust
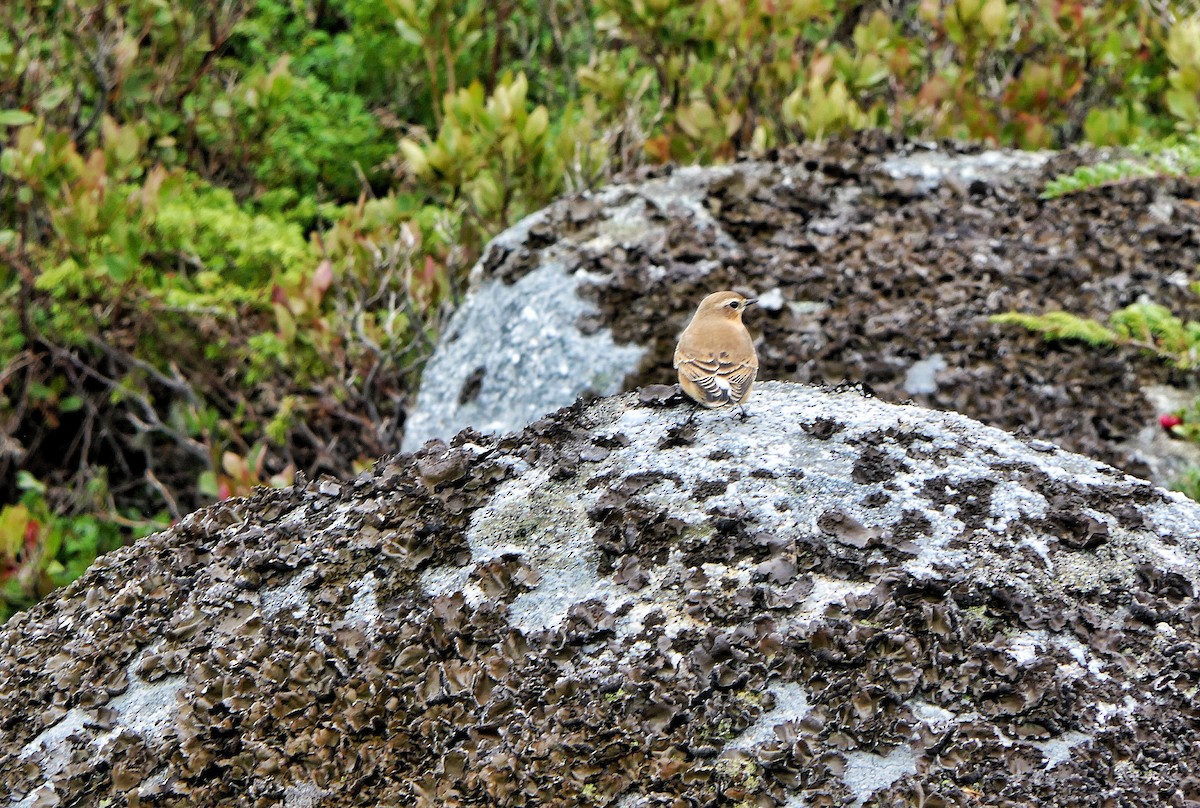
[{"x": 837, "y": 602}]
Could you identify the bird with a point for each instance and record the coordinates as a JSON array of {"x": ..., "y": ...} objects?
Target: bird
[{"x": 715, "y": 357}]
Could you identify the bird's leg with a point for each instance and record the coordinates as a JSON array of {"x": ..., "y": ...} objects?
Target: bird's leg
[{"x": 742, "y": 412}]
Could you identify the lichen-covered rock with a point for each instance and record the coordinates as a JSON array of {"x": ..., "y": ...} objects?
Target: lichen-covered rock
[
  {"x": 513, "y": 351},
  {"x": 874, "y": 261},
  {"x": 837, "y": 601}
]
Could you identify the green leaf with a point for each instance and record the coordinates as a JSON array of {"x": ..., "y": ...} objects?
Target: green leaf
[
  {"x": 27, "y": 482},
  {"x": 1182, "y": 104},
  {"x": 207, "y": 484},
  {"x": 13, "y": 519},
  {"x": 53, "y": 97},
  {"x": 408, "y": 33},
  {"x": 38, "y": 392},
  {"x": 15, "y": 117},
  {"x": 117, "y": 267}
]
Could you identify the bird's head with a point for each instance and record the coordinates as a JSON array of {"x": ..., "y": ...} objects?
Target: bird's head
[{"x": 728, "y": 305}]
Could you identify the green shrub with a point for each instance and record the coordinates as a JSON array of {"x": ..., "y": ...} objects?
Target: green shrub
[
  {"x": 41, "y": 550},
  {"x": 1144, "y": 325},
  {"x": 498, "y": 158},
  {"x": 705, "y": 80}
]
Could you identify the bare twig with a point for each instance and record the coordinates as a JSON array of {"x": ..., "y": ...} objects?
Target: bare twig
[
  {"x": 218, "y": 40},
  {"x": 164, "y": 492},
  {"x": 150, "y": 422},
  {"x": 176, "y": 383}
]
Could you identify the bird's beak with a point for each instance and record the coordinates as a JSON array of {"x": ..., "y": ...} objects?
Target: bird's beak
[{"x": 750, "y": 301}]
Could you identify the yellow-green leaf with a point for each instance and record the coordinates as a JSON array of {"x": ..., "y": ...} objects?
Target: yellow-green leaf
[{"x": 15, "y": 117}]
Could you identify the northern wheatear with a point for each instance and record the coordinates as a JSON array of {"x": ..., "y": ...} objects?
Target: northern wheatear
[{"x": 715, "y": 356}]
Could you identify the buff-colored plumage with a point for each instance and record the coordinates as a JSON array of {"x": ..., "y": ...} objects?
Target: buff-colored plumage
[{"x": 715, "y": 356}]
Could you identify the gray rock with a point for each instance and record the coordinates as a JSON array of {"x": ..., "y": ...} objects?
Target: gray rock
[
  {"x": 513, "y": 352},
  {"x": 517, "y": 348},
  {"x": 837, "y": 601},
  {"x": 1169, "y": 458},
  {"x": 921, "y": 378},
  {"x": 514, "y": 349},
  {"x": 873, "y": 261},
  {"x": 931, "y": 168}
]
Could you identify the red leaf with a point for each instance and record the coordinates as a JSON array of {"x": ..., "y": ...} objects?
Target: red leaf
[
  {"x": 323, "y": 277},
  {"x": 1169, "y": 421},
  {"x": 33, "y": 529}
]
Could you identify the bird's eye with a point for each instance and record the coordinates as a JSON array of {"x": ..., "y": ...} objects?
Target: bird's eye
[{"x": 733, "y": 304}]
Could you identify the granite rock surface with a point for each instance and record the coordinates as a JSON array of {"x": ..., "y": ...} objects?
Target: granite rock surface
[{"x": 837, "y": 601}]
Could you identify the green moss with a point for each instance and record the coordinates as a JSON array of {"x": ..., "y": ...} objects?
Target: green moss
[{"x": 1163, "y": 159}]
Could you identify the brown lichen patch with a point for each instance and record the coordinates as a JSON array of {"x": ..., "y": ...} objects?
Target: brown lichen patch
[
  {"x": 876, "y": 466},
  {"x": 631, "y": 532},
  {"x": 823, "y": 428},
  {"x": 970, "y": 497}
]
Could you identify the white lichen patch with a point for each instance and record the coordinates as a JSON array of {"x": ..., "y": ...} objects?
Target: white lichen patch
[
  {"x": 1106, "y": 712},
  {"x": 1055, "y": 750},
  {"x": 292, "y": 596},
  {"x": 936, "y": 718},
  {"x": 827, "y": 591},
  {"x": 921, "y": 377},
  {"x": 549, "y": 529},
  {"x": 933, "y": 168},
  {"x": 1059, "y": 749},
  {"x": 1082, "y": 654},
  {"x": 1014, "y": 503},
  {"x": 1040, "y": 546},
  {"x": 445, "y": 580},
  {"x": 867, "y": 772},
  {"x": 364, "y": 607},
  {"x": 1027, "y": 647},
  {"x": 147, "y": 709},
  {"x": 50, "y": 749},
  {"x": 791, "y": 705},
  {"x": 303, "y": 795},
  {"x": 44, "y": 796}
]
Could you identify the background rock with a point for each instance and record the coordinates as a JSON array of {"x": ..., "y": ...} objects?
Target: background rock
[
  {"x": 877, "y": 262},
  {"x": 836, "y": 602},
  {"x": 512, "y": 351}
]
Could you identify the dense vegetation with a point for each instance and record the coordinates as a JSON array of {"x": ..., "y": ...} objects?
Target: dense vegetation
[{"x": 229, "y": 229}]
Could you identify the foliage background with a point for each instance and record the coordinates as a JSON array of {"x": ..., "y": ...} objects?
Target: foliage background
[{"x": 231, "y": 229}]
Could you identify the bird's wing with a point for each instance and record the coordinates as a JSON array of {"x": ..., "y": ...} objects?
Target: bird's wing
[{"x": 721, "y": 379}]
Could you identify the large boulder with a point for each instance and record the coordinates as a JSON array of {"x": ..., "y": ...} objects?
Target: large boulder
[
  {"x": 876, "y": 262},
  {"x": 837, "y": 601}
]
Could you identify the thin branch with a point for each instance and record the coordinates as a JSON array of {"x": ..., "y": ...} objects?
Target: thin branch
[
  {"x": 164, "y": 492},
  {"x": 175, "y": 383},
  {"x": 218, "y": 40},
  {"x": 152, "y": 422}
]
